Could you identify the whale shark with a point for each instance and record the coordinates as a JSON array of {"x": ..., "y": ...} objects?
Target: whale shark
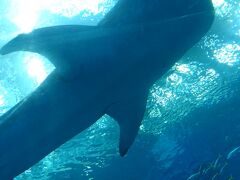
[{"x": 103, "y": 69}]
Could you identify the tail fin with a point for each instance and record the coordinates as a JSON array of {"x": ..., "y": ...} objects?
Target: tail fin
[{"x": 46, "y": 41}]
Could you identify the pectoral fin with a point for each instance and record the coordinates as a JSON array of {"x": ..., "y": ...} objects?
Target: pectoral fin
[{"x": 129, "y": 114}]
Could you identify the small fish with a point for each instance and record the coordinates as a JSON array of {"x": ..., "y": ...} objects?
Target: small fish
[
  {"x": 233, "y": 153},
  {"x": 194, "y": 176},
  {"x": 217, "y": 161},
  {"x": 215, "y": 177}
]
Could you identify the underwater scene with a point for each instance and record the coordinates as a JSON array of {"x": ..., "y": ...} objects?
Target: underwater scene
[{"x": 191, "y": 125}]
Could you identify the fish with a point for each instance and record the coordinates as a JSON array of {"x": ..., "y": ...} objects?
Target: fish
[
  {"x": 234, "y": 153},
  {"x": 194, "y": 176},
  {"x": 103, "y": 69}
]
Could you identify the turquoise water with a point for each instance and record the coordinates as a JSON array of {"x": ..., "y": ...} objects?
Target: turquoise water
[{"x": 192, "y": 112}]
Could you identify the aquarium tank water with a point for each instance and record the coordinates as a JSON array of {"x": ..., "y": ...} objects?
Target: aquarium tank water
[{"x": 191, "y": 127}]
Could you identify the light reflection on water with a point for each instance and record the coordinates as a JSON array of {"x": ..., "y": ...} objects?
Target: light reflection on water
[
  {"x": 26, "y": 14},
  {"x": 228, "y": 54},
  {"x": 218, "y": 3},
  {"x": 36, "y": 68}
]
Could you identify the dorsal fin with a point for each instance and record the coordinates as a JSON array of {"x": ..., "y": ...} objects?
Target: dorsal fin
[{"x": 129, "y": 114}]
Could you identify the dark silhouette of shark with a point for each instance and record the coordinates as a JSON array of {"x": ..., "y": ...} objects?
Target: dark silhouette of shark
[{"x": 103, "y": 69}]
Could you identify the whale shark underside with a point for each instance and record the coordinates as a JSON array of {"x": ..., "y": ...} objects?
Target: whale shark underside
[{"x": 103, "y": 69}]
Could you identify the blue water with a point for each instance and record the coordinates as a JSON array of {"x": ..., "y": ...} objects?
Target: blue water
[{"x": 192, "y": 122}]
